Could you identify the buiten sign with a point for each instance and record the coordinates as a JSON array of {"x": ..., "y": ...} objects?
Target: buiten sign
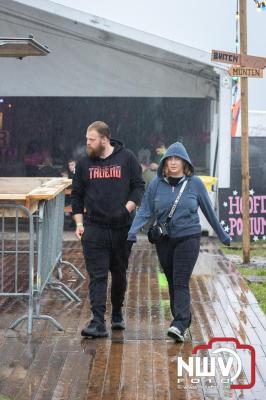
[
  {"x": 226, "y": 57},
  {"x": 242, "y": 60},
  {"x": 246, "y": 72}
]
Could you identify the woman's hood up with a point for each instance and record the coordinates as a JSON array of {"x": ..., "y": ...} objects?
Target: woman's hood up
[{"x": 176, "y": 149}]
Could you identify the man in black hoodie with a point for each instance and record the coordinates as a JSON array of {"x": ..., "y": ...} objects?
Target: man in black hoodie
[{"x": 108, "y": 184}]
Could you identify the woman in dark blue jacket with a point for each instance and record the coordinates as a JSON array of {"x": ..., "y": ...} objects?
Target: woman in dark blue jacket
[{"x": 179, "y": 251}]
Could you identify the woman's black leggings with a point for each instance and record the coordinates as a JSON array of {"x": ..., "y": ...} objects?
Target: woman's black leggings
[{"x": 178, "y": 258}]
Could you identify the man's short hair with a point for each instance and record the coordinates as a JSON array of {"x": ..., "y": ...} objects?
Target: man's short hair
[{"x": 101, "y": 127}]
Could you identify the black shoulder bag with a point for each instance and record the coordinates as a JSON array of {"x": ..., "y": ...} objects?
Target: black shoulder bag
[{"x": 157, "y": 232}]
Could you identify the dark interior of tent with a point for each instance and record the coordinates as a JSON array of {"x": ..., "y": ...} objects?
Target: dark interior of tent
[{"x": 55, "y": 127}]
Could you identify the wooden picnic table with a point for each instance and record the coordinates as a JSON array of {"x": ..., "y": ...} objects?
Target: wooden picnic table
[{"x": 29, "y": 191}]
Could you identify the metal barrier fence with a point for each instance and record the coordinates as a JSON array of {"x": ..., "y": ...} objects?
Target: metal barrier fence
[{"x": 41, "y": 253}]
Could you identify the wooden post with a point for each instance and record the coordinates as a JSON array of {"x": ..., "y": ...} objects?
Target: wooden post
[{"x": 244, "y": 137}]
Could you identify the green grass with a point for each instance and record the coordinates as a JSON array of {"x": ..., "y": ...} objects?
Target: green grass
[
  {"x": 253, "y": 253},
  {"x": 2, "y": 397},
  {"x": 259, "y": 291},
  {"x": 252, "y": 271},
  {"x": 258, "y": 248},
  {"x": 258, "y": 243},
  {"x": 257, "y": 288}
]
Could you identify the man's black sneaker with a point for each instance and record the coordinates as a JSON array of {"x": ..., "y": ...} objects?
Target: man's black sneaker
[
  {"x": 95, "y": 330},
  {"x": 117, "y": 323},
  {"x": 175, "y": 334}
]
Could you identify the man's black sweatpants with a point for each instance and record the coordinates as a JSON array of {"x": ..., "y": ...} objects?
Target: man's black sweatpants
[{"x": 105, "y": 249}]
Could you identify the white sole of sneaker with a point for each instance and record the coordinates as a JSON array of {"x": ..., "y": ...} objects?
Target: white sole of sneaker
[
  {"x": 174, "y": 333},
  {"x": 118, "y": 326}
]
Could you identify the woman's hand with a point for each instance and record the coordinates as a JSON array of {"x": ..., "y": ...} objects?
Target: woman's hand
[{"x": 227, "y": 241}]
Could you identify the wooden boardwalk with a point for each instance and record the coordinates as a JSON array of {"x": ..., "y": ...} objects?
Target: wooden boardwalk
[{"x": 139, "y": 363}]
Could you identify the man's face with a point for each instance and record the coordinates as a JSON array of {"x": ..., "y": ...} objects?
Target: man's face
[
  {"x": 71, "y": 166},
  {"x": 160, "y": 150},
  {"x": 95, "y": 144}
]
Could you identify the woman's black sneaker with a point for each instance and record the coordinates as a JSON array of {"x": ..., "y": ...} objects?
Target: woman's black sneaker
[
  {"x": 95, "y": 330},
  {"x": 175, "y": 333}
]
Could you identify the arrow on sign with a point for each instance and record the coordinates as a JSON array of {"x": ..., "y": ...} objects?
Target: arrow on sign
[
  {"x": 244, "y": 72},
  {"x": 243, "y": 60},
  {"x": 253, "y": 61}
]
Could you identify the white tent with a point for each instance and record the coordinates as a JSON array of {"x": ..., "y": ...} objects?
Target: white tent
[{"x": 91, "y": 56}]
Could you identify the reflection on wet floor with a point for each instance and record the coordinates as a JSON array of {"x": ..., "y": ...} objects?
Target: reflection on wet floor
[{"x": 140, "y": 362}]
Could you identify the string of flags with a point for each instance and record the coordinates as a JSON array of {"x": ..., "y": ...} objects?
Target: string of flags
[{"x": 260, "y": 5}]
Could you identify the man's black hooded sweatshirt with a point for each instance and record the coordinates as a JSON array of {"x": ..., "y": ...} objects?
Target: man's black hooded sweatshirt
[{"x": 104, "y": 185}]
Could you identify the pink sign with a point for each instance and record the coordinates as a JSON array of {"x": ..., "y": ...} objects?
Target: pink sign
[{"x": 231, "y": 205}]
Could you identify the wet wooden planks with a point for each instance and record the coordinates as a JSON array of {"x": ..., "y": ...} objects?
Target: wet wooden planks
[{"x": 140, "y": 362}]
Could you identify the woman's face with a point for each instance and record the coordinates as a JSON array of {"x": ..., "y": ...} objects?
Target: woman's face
[{"x": 175, "y": 166}]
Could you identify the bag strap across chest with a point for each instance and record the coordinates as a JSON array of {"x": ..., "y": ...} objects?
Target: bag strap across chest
[{"x": 178, "y": 197}]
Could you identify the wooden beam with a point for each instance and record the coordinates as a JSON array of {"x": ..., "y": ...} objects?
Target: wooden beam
[{"x": 244, "y": 137}]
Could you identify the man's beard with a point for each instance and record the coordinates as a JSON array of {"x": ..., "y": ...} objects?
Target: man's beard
[{"x": 98, "y": 152}]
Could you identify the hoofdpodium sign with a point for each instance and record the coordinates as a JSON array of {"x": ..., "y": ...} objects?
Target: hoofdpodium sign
[{"x": 230, "y": 213}]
